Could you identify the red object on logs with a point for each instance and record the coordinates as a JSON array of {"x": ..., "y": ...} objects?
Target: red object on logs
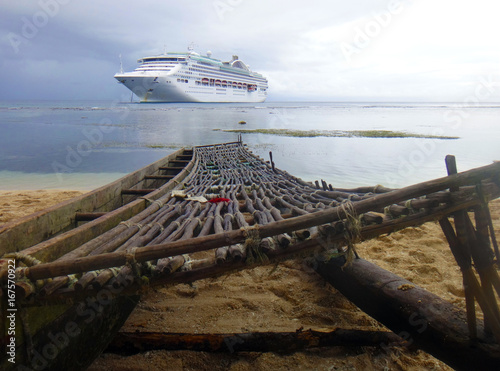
[{"x": 219, "y": 199}]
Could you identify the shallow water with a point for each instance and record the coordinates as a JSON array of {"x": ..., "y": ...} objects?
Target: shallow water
[{"x": 82, "y": 145}]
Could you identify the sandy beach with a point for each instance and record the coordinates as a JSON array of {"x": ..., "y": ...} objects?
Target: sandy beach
[
  {"x": 16, "y": 204},
  {"x": 283, "y": 298}
]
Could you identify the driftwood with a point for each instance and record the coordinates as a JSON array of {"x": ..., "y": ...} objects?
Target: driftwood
[
  {"x": 284, "y": 342},
  {"x": 421, "y": 318}
]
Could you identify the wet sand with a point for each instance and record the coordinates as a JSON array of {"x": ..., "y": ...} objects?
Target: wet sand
[{"x": 283, "y": 298}]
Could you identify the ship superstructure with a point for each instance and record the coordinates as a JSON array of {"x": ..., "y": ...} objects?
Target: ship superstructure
[{"x": 191, "y": 77}]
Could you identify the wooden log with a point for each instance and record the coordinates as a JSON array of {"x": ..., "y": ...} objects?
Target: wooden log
[
  {"x": 153, "y": 252},
  {"x": 464, "y": 262},
  {"x": 396, "y": 210},
  {"x": 473, "y": 245},
  {"x": 127, "y": 343},
  {"x": 375, "y": 189},
  {"x": 423, "y": 203},
  {"x": 418, "y": 316},
  {"x": 372, "y": 218},
  {"x": 208, "y": 271}
]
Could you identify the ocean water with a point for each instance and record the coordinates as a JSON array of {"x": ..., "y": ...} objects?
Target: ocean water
[{"x": 82, "y": 145}]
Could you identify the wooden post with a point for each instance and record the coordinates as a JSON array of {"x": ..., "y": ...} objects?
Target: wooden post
[
  {"x": 272, "y": 162},
  {"x": 473, "y": 245}
]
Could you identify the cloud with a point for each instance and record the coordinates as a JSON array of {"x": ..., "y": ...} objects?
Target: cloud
[{"x": 327, "y": 50}]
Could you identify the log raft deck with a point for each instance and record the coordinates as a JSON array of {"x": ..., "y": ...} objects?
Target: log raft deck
[{"x": 82, "y": 265}]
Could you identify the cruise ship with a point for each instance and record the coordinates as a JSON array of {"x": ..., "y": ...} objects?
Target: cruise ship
[{"x": 191, "y": 77}]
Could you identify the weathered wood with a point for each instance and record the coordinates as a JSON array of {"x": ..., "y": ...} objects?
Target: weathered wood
[
  {"x": 184, "y": 157},
  {"x": 35, "y": 228},
  {"x": 86, "y": 217},
  {"x": 476, "y": 246},
  {"x": 297, "y": 249},
  {"x": 167, "y": 168},
  {"x": 418, "y": 316},
  {"x": 72, "y": 340},
  {"x": 150, "y": 246},
  {"x": 160, "y": 177},
  {"x": 372, "y": 218},
  {"x": 226, "y": 238},
  {"x": 52, "y": 249},
  {"x": 142, "y": 192},
  {"x": 66, "y": 242},
  {"x": 284, "y": 342}
]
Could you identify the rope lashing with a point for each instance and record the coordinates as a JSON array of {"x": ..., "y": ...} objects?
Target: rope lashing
[
  {"x": 132, "y": 262},
  {"x": 27, "y": 260},
  {"x": 352, "y": 230},
  {"x": 252, "y": 245}
]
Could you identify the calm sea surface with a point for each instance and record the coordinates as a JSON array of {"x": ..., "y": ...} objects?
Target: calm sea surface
[{"x": 82, "y": 145}]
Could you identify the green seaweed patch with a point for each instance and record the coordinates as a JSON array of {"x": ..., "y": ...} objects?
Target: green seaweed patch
[
  {"x": 171, "y": 146},
  {"x": 338, "y": 133},
  {"x": 144, "y": 145}
]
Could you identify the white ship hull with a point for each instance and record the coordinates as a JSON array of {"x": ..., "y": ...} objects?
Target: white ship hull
[
  {"x": 166, "y": 89},
  {"x": 189, "y": 77}
]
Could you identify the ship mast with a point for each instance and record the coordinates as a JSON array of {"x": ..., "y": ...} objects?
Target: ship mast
[{"x": 121, "y": 64}]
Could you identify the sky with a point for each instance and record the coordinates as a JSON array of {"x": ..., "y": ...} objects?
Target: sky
[{"x": 317, "y": 50}]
